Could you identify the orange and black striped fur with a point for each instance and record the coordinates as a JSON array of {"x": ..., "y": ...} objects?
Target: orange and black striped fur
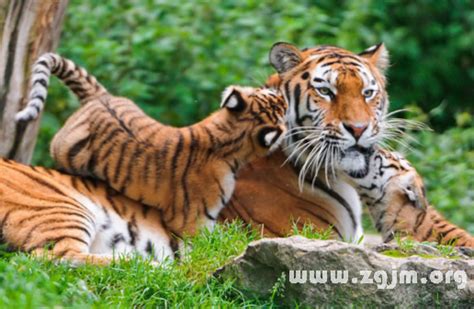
[
  {"x": 337, "y": 104},
  {"x": 80, "y": 220},
  {"x": 187, "y": 173},
  {"x": 395, "y": 195},
  {"x": 268, "y": 192},
  {"x": 337, "y": 116}
]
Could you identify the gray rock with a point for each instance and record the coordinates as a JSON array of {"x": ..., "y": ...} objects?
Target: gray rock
[{"x": 264, "y": 269}]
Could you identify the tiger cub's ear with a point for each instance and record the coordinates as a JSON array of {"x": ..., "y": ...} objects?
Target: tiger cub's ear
[
  {"x": 284, "y": 57},
  {"x": 269, "y": 135},
  {"x": 232, "y": 99},
  {"x": 378, "y": 56}
]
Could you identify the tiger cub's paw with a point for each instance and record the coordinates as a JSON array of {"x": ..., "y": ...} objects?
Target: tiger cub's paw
[{"x": 411, "y": 185}]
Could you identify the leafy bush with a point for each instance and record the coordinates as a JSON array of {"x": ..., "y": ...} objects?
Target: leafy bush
[{"x": 446, "y": 162}]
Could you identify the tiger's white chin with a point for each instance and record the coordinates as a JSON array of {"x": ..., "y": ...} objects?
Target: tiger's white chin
[{"x": 355, "y": 163}]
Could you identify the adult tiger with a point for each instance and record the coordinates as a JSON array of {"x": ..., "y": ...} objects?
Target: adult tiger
[
  {"x": 337, "y": 114},
  {"x": 269, "y": 194},
  {"x": 187, "y": 173}
]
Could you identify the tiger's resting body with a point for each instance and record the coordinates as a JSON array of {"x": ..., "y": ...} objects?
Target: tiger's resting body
[
  {"x": 80, "y": 220},
  {"x": 187, "y": 173},
  {"x": 272, "y": 183},
  {"x": 269, "y": 191}
]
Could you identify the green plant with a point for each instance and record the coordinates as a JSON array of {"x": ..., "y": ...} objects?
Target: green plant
[
  {"x": 310, "y": 231},
  {"x": 278, "y": 288},
  {"x": 406, "y": 244},
  {"x": 406, "y": 247},
  {"x": 26, "y": 282},
  {"x": 448, "y": 250}
]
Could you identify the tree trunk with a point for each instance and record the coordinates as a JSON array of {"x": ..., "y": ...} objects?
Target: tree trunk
[{"x": 28, "y": 28}]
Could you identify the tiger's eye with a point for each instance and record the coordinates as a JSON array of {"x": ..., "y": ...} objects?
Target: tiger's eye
[
  {"x": 368, "y": 93},
  {"x": 324, "y": 91}
]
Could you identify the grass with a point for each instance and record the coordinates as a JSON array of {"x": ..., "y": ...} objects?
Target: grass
[
  {"x": 408, "y": 247},
  {"x": 31, "y": 283},
  {"x": 26, "y": 282},
  {"x": 310, "y": 231}
]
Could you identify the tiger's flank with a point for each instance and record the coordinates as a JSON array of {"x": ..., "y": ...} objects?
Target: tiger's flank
[{"x": 53, "y": 215}]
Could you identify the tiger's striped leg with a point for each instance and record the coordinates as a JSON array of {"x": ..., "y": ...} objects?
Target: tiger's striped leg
[
  {"x": 429, "y": 225},
  {"x": 395, "y": 195},
  {"x": 71, "y": 247},
  {"x": 400, "y": 216}
]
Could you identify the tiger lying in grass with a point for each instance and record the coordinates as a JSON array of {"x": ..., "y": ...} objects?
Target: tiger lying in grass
[
  {"x": 186, "y": 174},
  {"x": 269, "y": 193},
  {"x": 337, "y": 114},
  {"x": 76, "y": 219}
]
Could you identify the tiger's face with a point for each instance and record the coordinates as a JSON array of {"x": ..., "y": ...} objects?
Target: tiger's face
[
  {"x": 260, "y": 113},
  {"x": 337, "y": 104}
]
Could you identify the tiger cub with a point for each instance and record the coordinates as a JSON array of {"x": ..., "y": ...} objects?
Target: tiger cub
[
  {"x": 75, "y": 219},
  {"x": 187, "y": 173},
  {"x": 395, "y": 195}
]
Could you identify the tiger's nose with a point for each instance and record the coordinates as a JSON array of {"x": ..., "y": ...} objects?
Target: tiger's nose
[{"x": 355, "y": 130}]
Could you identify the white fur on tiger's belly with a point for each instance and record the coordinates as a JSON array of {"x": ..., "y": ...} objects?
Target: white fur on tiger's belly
[{"x": 109, "y": 226}]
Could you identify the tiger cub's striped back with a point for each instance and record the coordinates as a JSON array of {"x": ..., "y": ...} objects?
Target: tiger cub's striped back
[
  {"x": 80, "y": 220},
  {"x": 188, "y": 173}
]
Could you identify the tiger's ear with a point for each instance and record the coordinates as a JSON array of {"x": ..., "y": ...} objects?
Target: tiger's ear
[
  {"x": 284, "y": 57},
  {"x": 267, "y": 136},
  {"x": 377, "y": 55},
  {"x": 232, "y": 99}
]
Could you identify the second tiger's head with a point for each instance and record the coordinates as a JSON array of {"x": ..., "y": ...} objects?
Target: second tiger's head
[{"x": 256, "y": 117}]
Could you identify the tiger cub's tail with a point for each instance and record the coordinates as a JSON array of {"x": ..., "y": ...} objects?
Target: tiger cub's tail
[{"x": 76, "y": 78}]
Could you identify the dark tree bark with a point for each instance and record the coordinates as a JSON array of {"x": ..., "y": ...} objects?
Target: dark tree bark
[{"x": 28, "y": 28}]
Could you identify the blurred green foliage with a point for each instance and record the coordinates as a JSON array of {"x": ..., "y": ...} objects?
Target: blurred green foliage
[
  {"x": 175, "y": 57},
  {"x": 446, "y": 162}
]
